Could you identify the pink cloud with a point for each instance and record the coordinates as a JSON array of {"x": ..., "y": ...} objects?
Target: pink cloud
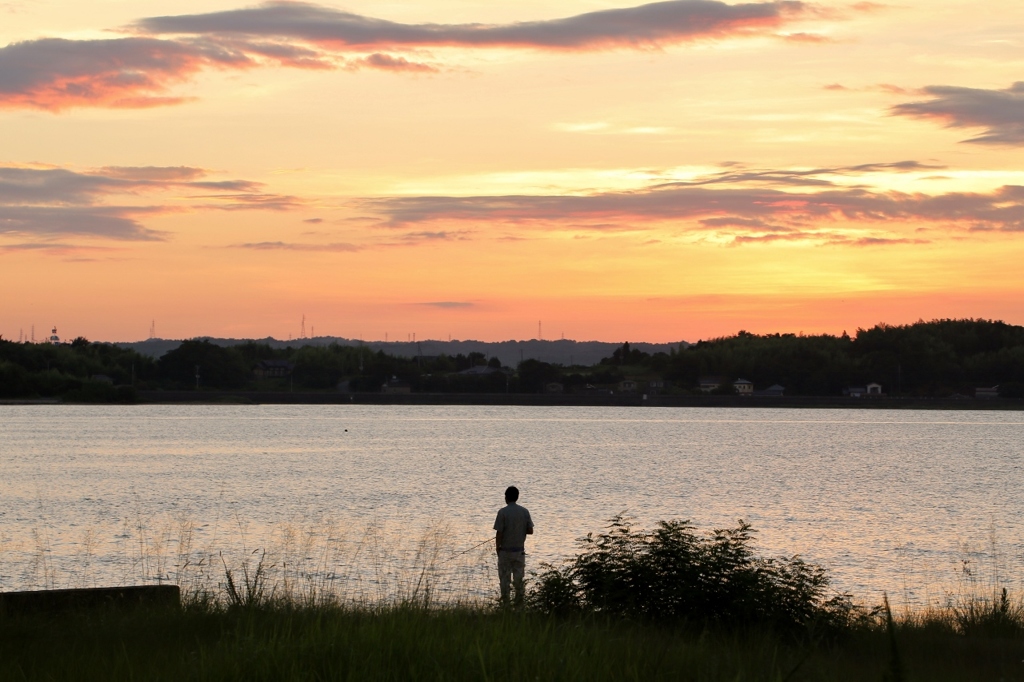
[{"x": 56, "y": 74}]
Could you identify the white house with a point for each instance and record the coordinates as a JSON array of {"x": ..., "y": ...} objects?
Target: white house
[{"x": 743, "y": 387}]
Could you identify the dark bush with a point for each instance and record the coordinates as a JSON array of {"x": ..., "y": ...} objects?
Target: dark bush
[{"x": 675, "y": 575}]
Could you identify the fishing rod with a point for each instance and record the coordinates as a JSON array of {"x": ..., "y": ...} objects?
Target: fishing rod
[{"x": 476, "y": 546}]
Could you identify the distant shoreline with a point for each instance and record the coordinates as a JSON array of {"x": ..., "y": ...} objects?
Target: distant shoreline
[
  {"x": 547, "y": 400},
  {"x": 572, "y": 400}
]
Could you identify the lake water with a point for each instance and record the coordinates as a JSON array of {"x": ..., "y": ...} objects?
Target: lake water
[{"x": 886, "y": 500}]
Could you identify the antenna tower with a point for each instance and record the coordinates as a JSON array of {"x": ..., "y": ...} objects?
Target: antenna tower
[
  {"x": 303, "y": 335},
  {"x": 540, "y": 335},
  {"x": 152, "y": 329}
]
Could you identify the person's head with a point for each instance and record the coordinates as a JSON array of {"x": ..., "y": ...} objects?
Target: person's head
[{"x": 511, "y": 494}]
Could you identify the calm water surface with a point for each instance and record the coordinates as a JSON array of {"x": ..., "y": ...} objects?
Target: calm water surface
[{"x": 887, "y": 500}]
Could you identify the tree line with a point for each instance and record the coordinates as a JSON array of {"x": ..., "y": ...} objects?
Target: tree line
[{"x": 936, "y": 358}]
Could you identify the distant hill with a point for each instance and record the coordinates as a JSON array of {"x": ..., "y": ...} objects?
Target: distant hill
[{"x": 561, "y": 352}]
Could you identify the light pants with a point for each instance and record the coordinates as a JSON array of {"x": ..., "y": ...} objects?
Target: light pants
[{"x": 511, "y": 566}]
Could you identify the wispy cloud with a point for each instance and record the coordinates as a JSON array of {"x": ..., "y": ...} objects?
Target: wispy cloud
[
  {"x": 386, "y": 62},
  {"x": 19, "y": 185},
  {"x": 448, "y": 304},
  {"x": 652, "y": 25},
  {"x": 336, "y": 247},
  {"x": 999, "y": 112},
  {"x": 48, "y": 203},
  {"x": 110, "y": 222},
  {"x": 442, "y": 236},
  {"x": 761, "y": 205},
  {"x": 58, "y": 248},
  {"x": 140, "y": 70},
  {"x": 802, "y": 37},
  {"x": 56, "y": 74}
]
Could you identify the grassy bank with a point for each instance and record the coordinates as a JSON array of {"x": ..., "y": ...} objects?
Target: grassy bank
[
  {"x": 279, "y": 642},
  {"x": 670, "y": 603}
]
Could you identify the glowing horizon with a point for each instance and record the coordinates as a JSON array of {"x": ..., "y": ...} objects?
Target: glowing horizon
[{"x": 657, "y": 172}]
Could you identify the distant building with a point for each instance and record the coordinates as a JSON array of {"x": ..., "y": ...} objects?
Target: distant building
[
  {"x": 708, "y": 384},
  {"x": 101, "y": 378},
  {"x": 992, "y": 392},
  {"x": 627, "y": 386},
  {"x": 773, "y": 391},
  {"x": 871, "y": 389},
  {"x": 553, "y": 387},
  {"x": 743, "y": 387},
  {"x": 272, "y": 369}
]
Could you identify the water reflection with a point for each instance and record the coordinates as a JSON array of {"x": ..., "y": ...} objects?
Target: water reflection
[{"x": 888, "y": 500}]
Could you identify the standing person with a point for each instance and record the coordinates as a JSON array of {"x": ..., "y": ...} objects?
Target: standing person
[{"x": 511, "y": 527}]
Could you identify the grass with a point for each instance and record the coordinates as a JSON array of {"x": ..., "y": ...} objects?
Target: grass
[
  {"x": 283, "y": 642},
  {"x": 289, "y": 615}
]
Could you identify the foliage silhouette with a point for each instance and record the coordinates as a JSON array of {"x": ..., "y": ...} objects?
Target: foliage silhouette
[{"x": 676, "y": 575}]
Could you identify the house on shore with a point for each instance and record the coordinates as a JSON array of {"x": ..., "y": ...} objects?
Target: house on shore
[
  {"x": 773, "y": 391},
  {"x": 710, "y": 383},
  {"x": 992, "y": 392},
  {"x": 273, "y": 369},
  {"x": 743, "y": 387},
  {"x": 627, "y": 386},
  {"x": 871, "y": 390}
]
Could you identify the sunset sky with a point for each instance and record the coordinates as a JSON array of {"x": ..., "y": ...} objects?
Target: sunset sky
[{"x": 661, "y": 172}]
